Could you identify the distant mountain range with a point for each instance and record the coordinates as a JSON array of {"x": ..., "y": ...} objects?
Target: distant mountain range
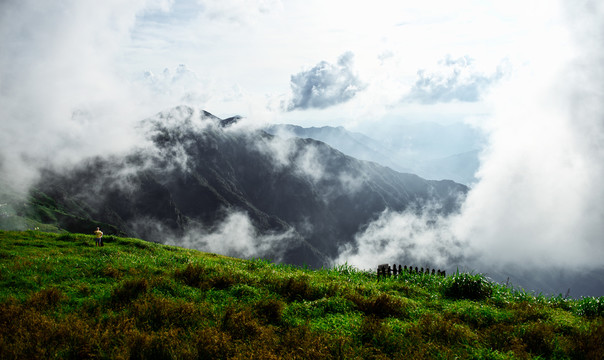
[
  {"x": 430, "y": 150},
  {"x": 199, "y": 170}
]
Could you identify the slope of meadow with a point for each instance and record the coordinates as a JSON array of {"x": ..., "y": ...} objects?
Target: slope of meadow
[{"x": 62, "y": 297}]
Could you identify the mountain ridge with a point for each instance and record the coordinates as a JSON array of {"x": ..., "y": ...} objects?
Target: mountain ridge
[
  {"x": 457, "y": 157},
  {"x": 198, "y": 172}
]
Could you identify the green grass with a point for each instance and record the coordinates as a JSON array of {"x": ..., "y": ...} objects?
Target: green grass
[{"x": 62, "y": 297}]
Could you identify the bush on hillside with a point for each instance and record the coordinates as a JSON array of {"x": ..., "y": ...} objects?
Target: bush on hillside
[
  {"x": 467, "y": 286},
  {"x": 129, "y": 290}
]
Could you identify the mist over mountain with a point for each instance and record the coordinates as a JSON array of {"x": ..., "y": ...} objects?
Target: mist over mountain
[
  {"x": 430, "y": 150},
  {"x": 206, "y": 183},
  {"x": 351, "y": 143}
]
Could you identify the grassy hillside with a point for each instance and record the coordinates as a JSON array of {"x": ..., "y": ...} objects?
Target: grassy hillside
[{"x": 62, "y": 297}]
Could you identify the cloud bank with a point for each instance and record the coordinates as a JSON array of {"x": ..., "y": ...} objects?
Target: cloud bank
[
  {"x": 325, "y": 85},
  {"x": 61, "y": 96},
  {"x": 542, "y": 206},
  {"x": 539, "y": 203},
  {"x": 423, "y": 239}
]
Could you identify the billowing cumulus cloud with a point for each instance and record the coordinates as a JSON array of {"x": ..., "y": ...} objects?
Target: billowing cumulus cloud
[
  {"x": 325, "y": 84},
  {"x": 453, "y": 80}
]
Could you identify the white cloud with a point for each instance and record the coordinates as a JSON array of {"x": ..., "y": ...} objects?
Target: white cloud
[
  {"x": 405, "y": 238},
  {"x": 236, "y": 236},
  {"x": 181, "y": 86},
  {"x": 305, "y": 161},
  {"x": 325, "y": 84}
]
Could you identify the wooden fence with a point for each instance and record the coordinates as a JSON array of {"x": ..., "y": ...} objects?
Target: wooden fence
[{"x": 387, "y": 270}]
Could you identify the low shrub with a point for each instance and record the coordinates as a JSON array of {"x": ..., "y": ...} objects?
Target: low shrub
[
  {"x": 467, "y": 286},
  {"x": 540, "y": 339},
  {"x": 373, "y": 331},
  {"x": 240, "y": 324},
  {"x": 433, "y": 328},
  {"x": 501, "y": 337},
  {"x": 297, "y": 289},
  {"x": 159, "y": 346},
  {"x": 526, "y": 311},
  {"x": 590, "y": 306},
  {"x": 191, "y": 275},
  {"x": 301, "y": 342},
  {"x": 110, "y": 271},
  {"x": 212, "y": 343},
  {"x": 382, "y": 305},
  {"x": 205, "y": 279},
  {"x": 129, "y": 290},
  {"x": 70, "y": 237},
  {"x": 46, "y": 298},
  {"x": 269, "y": 310},
  {"x": 155, "y": 313}
]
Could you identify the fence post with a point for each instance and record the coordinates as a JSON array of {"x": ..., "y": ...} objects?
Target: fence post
[{"x": 382, "y": 270}]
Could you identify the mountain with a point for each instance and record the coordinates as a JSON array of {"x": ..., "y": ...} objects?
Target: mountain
[
  {"x": 299, "y": 199},
  {"x": 430, "y": 150},
  {"x": 350, "y": 143}
]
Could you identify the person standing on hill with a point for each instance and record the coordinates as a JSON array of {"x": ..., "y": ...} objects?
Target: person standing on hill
[{"x": 99, "y": 237}]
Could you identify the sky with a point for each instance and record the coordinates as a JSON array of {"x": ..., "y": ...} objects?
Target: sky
[
  {"x": 75, "y": 75},
  {"x": 360, "y": 64}
]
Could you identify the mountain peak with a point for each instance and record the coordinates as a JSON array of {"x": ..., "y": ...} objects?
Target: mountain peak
[{"x": 185, "y": 115}]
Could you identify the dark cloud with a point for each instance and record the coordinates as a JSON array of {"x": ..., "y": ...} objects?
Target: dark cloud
[
  {"x": 456, "y": 80},
  {"x": 325, "y": 85}
]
